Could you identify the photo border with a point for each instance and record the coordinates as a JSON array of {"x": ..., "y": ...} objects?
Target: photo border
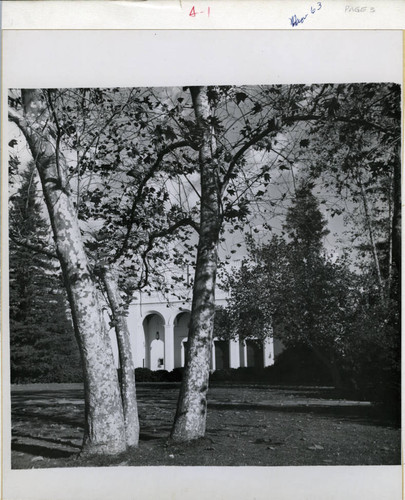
[{"x": 44, "y": 58}]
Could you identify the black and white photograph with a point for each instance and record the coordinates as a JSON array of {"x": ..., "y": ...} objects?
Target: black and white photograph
[
  {"x": 232, "y": 251},
  {"x": 204, "y": 277}
]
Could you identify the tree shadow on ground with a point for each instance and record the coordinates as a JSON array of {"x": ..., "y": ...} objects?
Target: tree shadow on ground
[
  {"x": 61, "y": 442},
  {"x": 365, "y": 415},
  {"x": 43, "y": 451},
  {"x": 145, "y": 436},
  {"x": 22, "y": 393},
  {"x": 58, "y": 419}
]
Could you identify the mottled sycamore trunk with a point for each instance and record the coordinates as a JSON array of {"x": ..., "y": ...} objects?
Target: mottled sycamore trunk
[
  {"x": 104, "y": 422},
  {"x": 128, "y": 388},
  {"x": 190, "y": 419}
]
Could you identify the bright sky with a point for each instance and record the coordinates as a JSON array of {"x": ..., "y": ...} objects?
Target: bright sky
[{"x": 271, "y": 209}]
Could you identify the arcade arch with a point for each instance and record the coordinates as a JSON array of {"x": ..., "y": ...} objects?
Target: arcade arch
[
  {"x": 154, "y": 331},
  {"x": 181, "y": 327},
  {"x": 162, "y": 344}
]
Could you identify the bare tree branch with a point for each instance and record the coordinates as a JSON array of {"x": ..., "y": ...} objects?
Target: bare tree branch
[
  {"x": 151, "y": 172},
  {"x": 187, "y": 221}
]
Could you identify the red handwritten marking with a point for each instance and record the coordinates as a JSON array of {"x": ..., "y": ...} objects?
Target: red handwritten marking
[{"x": 193, "y": 12}]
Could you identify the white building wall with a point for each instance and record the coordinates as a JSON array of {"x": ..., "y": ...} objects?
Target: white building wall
[
  {"x": 268, "y": 352},
  {"x": 153, "y": 316},
  {"x": 234, "y": 355}
]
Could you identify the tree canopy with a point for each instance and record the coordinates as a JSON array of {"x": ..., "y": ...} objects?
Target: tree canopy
[{"x": 140, "y": 183}]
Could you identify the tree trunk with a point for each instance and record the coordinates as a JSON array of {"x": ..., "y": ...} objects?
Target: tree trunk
[
  {"x": 396, "y": 222},
  {"x": 128, "y": 388},
  {"x": 390, "y": 220},
  {"x": 104, "y": 421},
  {"x": 190, "y": 419},
  {"x": 371, "y": 236}
]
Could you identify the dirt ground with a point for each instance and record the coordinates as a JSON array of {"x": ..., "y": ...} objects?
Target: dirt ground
[{"x": 246, "y": 426}]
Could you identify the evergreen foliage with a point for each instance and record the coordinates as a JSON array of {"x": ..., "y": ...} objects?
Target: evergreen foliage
[
  {"x": 42, "y": 344},
  {"x": 292, "y": 290}
]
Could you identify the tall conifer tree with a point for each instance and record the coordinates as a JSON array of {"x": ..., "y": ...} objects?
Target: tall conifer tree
[{"x": 42, "y": 344}]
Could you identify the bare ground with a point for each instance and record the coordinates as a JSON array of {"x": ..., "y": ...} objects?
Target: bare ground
[{"x": 247, "y": 425}]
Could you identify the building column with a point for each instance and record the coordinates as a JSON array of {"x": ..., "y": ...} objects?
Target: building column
[
  {"x": 139, "y": 344},
  {"x": 213, "y": 364},
  {"x": 136, "y": 336},
  {"x": 169, "y": 348},
  {"x": 234, "y": 357},
  {"x": 182, "y": 353},
  {"x": 242, "y": 354},
  {"x": 268, "y": 352}
]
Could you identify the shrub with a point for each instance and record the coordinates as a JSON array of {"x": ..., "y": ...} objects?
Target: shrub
[
  {"x": 160, "y": 376},
  {"x": 222, "y": 375},
  {"x": 147, "y": 375},
  {"x": 176, "y": 375},
  {"x": 143, "y": 375},
  {"x": 298, "y": 365}
]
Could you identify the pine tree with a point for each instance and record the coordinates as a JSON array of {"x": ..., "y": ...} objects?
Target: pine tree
[
  {"x": 305, "y": 224},
  {"x": 42, "y": 344},
  {"x": 304, "y": 298}
]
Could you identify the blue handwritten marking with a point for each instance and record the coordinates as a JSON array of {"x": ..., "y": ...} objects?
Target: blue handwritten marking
[{"x": 296, "y": 21}]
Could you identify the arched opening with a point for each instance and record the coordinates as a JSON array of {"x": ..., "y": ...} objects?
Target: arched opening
[
  {"x": 153, "y": 327},
  {"x": 181, "y": 327}
]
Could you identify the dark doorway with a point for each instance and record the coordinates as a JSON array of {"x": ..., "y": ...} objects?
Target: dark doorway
[
  {"x": 221, "y": 354},
  {"x": 254, "y": 352}
]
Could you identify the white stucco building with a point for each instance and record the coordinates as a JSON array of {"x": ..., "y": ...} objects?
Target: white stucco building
[{"x": 159, "y": 331}]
